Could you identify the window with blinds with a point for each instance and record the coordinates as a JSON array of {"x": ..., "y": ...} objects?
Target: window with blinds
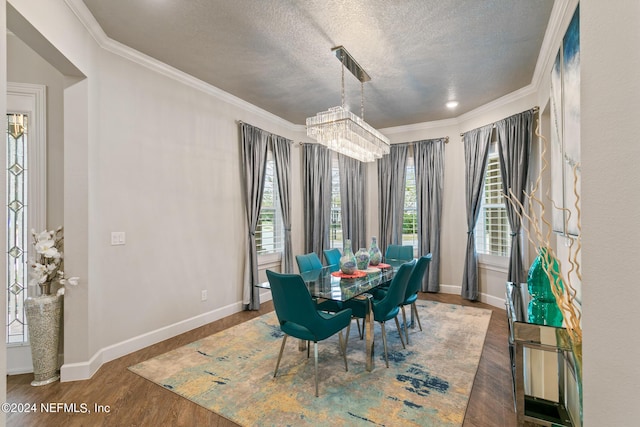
[
  {"x": 410, "y": 215},
  {"x": 493, "y": 233},
  {"x": 270, "y": 230},
  {"x": 335, "y": 226}
]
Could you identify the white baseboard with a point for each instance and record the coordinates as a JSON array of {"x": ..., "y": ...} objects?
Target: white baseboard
[
  {"x": 85, "y": 370},
  {"x": 485, "y": 298}
]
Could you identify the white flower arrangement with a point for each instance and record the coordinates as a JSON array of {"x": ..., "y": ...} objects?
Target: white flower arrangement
[{"x": 46, "y": 268}]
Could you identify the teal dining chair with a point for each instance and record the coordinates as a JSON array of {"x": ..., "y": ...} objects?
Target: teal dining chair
[
  {"x": 388, "y": 307},
  {"x": 332, "y": 257},
  {"x": 308, "y": 262},
  {"x": 311, "y": 261},
  {"x": 411, "y": 294},
  {"x": 399, "y": 252},
  {"x": 298, "y": 317}
]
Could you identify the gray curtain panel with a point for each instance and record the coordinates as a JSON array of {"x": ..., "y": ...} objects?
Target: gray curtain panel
[
  {"x": 429, "y": 167},
  {"x": 254, "y": 143},
  {"x": 352, "y": 196},
  {"x": 281, "y": 149},
  {"x": 392, "y": 172},
  {"x": 476, "y": 150},
  {"x": 514, "y": 147},
  {"x": 316, "y": 182}
]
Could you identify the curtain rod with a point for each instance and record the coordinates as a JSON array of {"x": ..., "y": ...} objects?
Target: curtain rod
[
  {"x": 535, "y": 110},
  {"x": 240, "y": 122}
]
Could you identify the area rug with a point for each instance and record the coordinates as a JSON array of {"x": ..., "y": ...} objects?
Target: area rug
[{"x": 426, "y": 384}]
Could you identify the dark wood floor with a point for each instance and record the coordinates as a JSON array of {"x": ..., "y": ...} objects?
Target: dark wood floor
[{"x": 134, "y": 401}]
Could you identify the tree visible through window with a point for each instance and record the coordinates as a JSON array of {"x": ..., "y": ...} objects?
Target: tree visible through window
[
  {"x": 410, "y": 216},
  {"x": 270, "y": 230},
  {"x": 493, "y": 233}
]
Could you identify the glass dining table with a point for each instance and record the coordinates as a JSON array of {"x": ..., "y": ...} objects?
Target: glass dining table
[{"x": 325, "y": 285}]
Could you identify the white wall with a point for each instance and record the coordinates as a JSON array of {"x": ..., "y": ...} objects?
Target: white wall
[{"x": 610, "y": 94}]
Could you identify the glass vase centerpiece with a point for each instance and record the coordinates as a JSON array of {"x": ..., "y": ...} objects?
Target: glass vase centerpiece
[
  {"x": 375, "y": 255},
  {"x": 362, "y": 259},
  {"x": 348, "y": 263}
]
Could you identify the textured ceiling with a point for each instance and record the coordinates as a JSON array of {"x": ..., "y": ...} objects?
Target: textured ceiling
[{"x": 276, "y": 54}]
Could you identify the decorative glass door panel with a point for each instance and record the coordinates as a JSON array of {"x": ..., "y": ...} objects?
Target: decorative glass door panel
[{"x": 17, "y": 241}]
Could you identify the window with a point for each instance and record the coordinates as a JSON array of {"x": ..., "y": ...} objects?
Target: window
[
  {"x": 270, "y": 230},
  {"x": 493, "y": 233},
  {"x": 17, "y": 241},
  {"x": 335, "y": 227},
  {"x": 410, "y": 216}
]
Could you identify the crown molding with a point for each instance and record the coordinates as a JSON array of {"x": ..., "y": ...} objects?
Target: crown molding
[
  {"x": 558, "y": 22},
  {"x": 420, "y": 126},
  {"x": 105, "y": 42}
]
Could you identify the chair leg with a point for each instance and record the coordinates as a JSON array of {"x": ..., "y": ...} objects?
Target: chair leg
[
  {"x": 415, "y": 312},
  {"x": 384, "y": 343},
  {"x": 406, "y": 327},
  {"x": 341, "y": 349},
  {"x": 284, "y": 341},
  {"x": 360, "y": 331},
  {"x": 344, "y": 349},
  {"x": 315, "y": 355},
  {"x": 308, "y": 348},
  {"x": 399, "y": 332}
]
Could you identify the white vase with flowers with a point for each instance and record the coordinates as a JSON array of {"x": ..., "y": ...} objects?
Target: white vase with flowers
[{"x": 44, "y": 312}]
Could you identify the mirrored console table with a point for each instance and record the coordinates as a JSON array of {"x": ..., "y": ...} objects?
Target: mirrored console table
[{"x": 532, "y": 410}]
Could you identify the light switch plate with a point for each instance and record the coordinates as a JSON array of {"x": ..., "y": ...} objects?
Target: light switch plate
[{"x": 117, "y": 238}]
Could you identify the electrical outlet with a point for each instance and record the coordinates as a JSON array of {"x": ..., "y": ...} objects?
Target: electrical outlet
[
  {"x": 117, "y": 238},
  {"x": 204, "y": 295}
]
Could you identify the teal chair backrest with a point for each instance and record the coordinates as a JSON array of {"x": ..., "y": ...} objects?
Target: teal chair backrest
[
  {"x": 296, "y": 311},
  {"x": 399, "y": 252},
  {"x": 415, "y": 280},
  {"x": 308, "y": 262},
  {"x": 395, "y": 295},
  {"x": 332, "y": 256}
]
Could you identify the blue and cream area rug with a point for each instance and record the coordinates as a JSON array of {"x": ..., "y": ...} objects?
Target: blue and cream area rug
[{"x": 426, "y": 384}]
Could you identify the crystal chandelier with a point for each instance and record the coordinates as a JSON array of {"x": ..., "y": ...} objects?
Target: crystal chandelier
[{"x": 342, "y": 131}]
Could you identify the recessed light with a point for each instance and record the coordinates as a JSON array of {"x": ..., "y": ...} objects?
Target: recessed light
[{"x": 452, "y": 104}]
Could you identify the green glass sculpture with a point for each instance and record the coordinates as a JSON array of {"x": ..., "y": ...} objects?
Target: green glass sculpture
[{"x": 543, "y": 308}]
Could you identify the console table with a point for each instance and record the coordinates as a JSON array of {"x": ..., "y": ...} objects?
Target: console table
[{"x": 522, "y": 334}]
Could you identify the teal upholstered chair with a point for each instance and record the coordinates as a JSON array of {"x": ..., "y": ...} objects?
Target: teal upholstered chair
[
  {"x": 411, "y": 294},
  {"x": 308, "y": 262},
  {"x": 399, "y": 252},
  {"x": 299, "y": 318},
  {"x": 332, "y": 256},
  {"x": 388, "y": 307}
]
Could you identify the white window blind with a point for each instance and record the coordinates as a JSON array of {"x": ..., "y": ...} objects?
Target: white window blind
[
  {"x": 270, "y": 230},
  {"x": 493, "y": 233}
]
